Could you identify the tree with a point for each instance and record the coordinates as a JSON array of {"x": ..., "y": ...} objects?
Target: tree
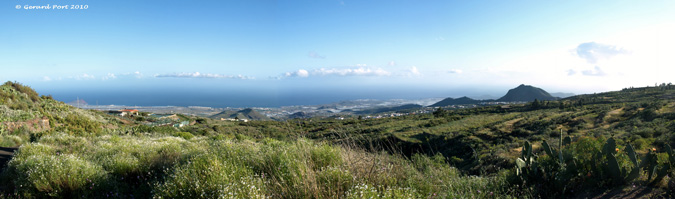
[
  {"x": 536, "y": 104},
  {"x": 440, "y": 112}
]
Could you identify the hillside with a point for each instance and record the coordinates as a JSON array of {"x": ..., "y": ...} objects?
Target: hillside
[
  {"x": 248, "y": 114},
  {"x": 405, "y": 107},
  {"x": 26, "y": 115},
  {"x": 526, "y": 93},
  {"x": 522, "y": 93},
  {"x": 445, "y": 154},
  {"x": 459, "y": 101},
  {"x": 299, "y": 115}
]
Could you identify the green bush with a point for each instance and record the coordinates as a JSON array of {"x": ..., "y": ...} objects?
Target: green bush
[
  {"x": 334, "y": 182},
  {"x": 184, "y": 135},
  {"x": 324, "y": 156},
  {"x": 10, "y": 140},
  {"x": 208, "y": 176},
  {"x": 80, "y": 125},
  {"x": 55, "y": 176},
  {"x": 369, "y": 191}
]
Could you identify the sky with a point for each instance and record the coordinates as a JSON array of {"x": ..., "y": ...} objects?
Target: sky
[{"x": 333, "y": 49}]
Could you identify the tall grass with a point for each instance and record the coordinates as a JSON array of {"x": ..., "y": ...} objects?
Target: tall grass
[
  {"x": 208, "y": 176},
  {"x": 63, "y": 165}
]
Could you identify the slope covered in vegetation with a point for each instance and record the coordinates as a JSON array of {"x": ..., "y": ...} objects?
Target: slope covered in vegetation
[
  {"x": 526, "y": 93},
  {"x": 248, "y": 114},
  {"x": 479, "y": 152}
]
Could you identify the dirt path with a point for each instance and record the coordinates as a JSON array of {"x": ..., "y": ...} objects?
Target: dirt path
[{"x": 6, "y": 154}]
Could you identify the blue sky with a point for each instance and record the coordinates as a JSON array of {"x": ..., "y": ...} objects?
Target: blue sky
[{"x": 446, "y": 48}]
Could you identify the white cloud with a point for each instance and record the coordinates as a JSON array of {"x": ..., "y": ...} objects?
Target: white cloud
[
  {"x": 571, "y": 72},
  {"x": 360, "y": 71},
  {"x": 413, "y": 70},
  {"x": 46, "y": 78},
  {"x": 592, "y": 52},
  {"x": 84, "y": 76},
  {"x": 299, "y": 73},
  {"x": 455, "y": 71},
  {"x": 315, "y": 55},
  {"x": 391, "y": 63},
  {"x": 203, "y": 75},
  {"x": 109, "y": 76},
  {"x": 138, "y": 74},
  {"x": 597, "y": 71},
  {"x": 440, "y": 39}
]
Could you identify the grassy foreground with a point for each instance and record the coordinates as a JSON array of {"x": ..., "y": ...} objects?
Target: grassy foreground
[{"x": 125, "y": 166}]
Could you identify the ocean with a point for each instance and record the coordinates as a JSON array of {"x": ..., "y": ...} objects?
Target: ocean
[{"x": 234, "y": 98}]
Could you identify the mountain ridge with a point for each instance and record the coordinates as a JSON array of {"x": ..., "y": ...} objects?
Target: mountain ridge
[
  {"x": 247, "y": 113},
  {"x": 451, "y": 101},
  {"x": 522, "y": 93},
  {"x": 526, "y": 93}
]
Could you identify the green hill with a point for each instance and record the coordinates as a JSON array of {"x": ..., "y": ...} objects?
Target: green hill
[
  {"x": 248, "y": 114},
  {"x": 459, "y": 101},
  {"x": 522, "y": 93},
  {"x": 402, "y": 108},
  {"x": 25, "y": 116},
  {"x": 526, "y": 93}
]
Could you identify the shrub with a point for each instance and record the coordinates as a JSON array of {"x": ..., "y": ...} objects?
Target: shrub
[
  {"x": 55, "y": 176},
  {"x": 334, "y": 182},
  {"x": 10, "y": 140},
  {"x": 80, "y": 125},
  {"x": 184, "y": 135},
  {"x": 324, "y": 156},
  {"x": 366, "y": 191},
  {"x": 207, "y": 176}
]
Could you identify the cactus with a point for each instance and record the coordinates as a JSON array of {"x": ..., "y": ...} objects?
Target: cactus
[
  {"x": 660, "y": 170},
  {"x": 556, "y": 172},
  {"x": 608, "y": 148},
  {"x": 562, "y": 169},
  {"x": 650, "y": 163},
  {"x": 671, "y": 155},
  {"x": 547, "y": 148},
  {"x": 527, "y": 168},
  {"x": 562, "y": 159},
  {"x": 567, "y": 141},
  {"x": 613, "y": 168},
  {"x": 526, "y": 154},
  {"x": 635, "y": 172},
  {"x": 620, "y": 174},
  {"x": 525, "y": 159}
]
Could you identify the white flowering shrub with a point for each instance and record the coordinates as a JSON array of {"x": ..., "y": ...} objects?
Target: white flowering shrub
[
  {"x": 10, "y": 115},
  {"x": 54, "y": 175},
  {"x": 208, "y": 176},
  {"x": 10, "y": 140},
  {"x": 368, "y": 191}
]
